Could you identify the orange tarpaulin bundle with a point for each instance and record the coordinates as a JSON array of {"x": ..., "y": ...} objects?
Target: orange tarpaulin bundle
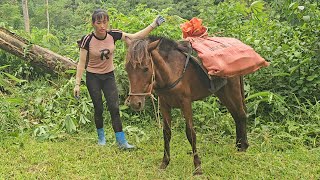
[
  {"x": 193, "y": 28},
  {"x": 221, "y": 56}
]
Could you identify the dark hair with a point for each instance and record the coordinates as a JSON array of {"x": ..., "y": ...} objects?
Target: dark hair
[{"x": 99, "y": 14}]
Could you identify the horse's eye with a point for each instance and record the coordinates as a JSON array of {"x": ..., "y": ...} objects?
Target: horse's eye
[{"x": 145, "y": 69}]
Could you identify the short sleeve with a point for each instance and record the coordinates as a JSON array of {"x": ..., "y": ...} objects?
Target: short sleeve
[
  {"x": 84, "y": 42},
  {"x": 116, "y": 34}
]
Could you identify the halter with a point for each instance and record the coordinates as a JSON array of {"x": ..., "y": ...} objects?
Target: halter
[{"x": 153, "y": 77}]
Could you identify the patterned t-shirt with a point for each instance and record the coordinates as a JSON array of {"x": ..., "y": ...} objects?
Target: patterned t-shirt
[{"x": 101, "y": 51}]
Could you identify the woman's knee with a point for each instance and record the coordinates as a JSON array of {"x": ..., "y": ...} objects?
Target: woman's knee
[
  {"x": 98, "y": 110},
  {"x": 114, "y": 108}
]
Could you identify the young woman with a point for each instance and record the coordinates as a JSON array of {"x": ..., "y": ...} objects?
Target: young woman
[{"x": 99, "y": 47}]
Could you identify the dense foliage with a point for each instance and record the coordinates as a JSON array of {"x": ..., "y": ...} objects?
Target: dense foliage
[{"x": 281, "y": 98}]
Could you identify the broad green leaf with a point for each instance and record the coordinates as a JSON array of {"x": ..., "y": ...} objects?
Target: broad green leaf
[
  {"x": 311, "y": 78},
  {"x": 83, "y": 119},
  {"x": 306, "y": 18},
  {"x": 71, "y": 71},
  {"x": 259, "y": 94},
  {"x": 123, "y": 107},
  {"x": 301, "y": 8},
  {"x": 293, "y": 5},
  {"x": 15, "y": 100},
  {"x": 14, "y": 78},
  {"x": 70, "y": 126},
  {"x": 256, "y": 7},
  {"x": 293, "y": 69},
  {"x": 5, "y": 66}
]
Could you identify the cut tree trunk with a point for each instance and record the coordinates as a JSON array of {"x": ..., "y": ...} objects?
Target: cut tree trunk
[{"x": 38, "y": 56}]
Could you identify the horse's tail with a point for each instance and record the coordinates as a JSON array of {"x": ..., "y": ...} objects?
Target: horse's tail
[{"x": 242, "y": 93}]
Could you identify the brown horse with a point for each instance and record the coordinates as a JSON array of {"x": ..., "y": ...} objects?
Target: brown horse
[{"x": 162, "y": 65}]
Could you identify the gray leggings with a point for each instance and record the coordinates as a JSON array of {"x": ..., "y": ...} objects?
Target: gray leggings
[{"x": 107, "y": 84}]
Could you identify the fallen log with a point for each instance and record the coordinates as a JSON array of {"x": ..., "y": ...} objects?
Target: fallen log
[{"x": 36, "y": 55}]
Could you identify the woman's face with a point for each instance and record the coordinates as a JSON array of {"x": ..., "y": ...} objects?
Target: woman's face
[{"x": 100, "y": 25}]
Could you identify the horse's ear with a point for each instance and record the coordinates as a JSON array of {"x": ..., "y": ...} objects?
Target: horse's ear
[
  {"x": 127, "y": 40},
  {"x": 153, "y": 45}
]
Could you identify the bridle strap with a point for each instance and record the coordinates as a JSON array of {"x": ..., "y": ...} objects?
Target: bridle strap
[
  {"x": 150, "y": 86},
  {"x": 166, "y": 88},
  {"x": 150, "y": 94}
]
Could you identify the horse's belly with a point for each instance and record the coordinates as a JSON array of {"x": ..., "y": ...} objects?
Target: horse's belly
[
  {"x": 176, "y": 99},
  {"x": 172, "y": 100},
  {"x": 196, "y": 97},
  {"x": 199, "y": 92}
]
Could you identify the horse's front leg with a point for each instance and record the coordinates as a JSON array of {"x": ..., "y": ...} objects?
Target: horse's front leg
[
  {"x": 166, "y": 115},
  {"x": 191, "y": 135}
]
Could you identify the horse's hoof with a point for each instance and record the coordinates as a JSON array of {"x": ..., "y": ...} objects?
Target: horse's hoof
[
  {"x": 163, "y": 165},
  {"x": 197, "y": 171},
  {"x": 242, "y": 148}
]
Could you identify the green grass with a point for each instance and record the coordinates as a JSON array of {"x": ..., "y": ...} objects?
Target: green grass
[{"x": 77, "y": 156}]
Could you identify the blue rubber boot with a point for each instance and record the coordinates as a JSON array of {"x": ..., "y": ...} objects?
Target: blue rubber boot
[
  {"x": 122, "y": 142},
  {"x": 101, "y": 137}
]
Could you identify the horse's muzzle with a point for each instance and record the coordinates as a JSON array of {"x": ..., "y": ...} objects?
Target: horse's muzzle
[{"x": 136, "y": 103}]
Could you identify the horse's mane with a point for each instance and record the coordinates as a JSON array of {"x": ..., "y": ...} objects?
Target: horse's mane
[
  {"x": 138, "y": 50},
  {"x": 166, "y": 44}
]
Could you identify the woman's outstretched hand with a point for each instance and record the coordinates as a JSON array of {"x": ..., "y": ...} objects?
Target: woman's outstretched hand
[{"x": 158, "y": 21}]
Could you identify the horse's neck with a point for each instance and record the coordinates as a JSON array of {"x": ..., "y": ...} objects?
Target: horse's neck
[
  {"x": 166, "y": 72},
  {"x": 163, "y": 71}
]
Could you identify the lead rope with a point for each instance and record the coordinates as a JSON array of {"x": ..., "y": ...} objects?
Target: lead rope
[{"x": 156, "y": 110}]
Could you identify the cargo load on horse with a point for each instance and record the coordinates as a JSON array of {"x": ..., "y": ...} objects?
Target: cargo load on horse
[{"x": 221, "y": 56}]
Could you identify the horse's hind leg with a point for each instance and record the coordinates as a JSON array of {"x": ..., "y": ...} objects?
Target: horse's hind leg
[
  {"x": 191, "y": 135},
  {"x": 232, "y": 96},
  {"x": 166, "y": 115}
]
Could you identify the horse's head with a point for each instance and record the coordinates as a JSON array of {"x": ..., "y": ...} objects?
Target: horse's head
[{"x": 140, "y": 69}]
